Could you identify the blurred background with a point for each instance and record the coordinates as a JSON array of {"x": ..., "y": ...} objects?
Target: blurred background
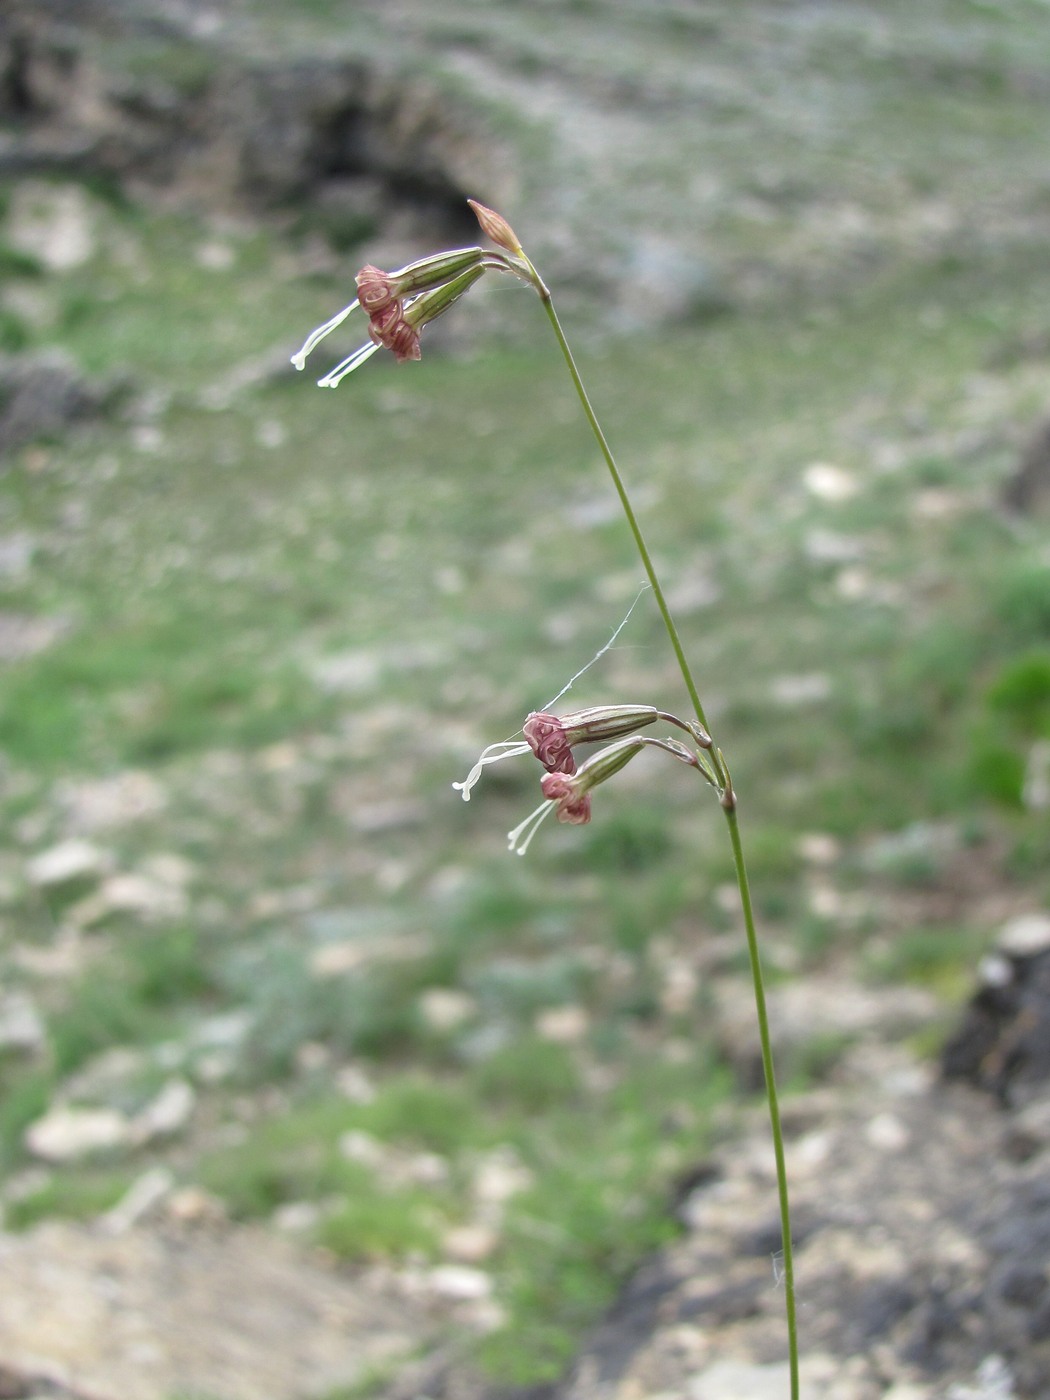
[{"x": 293, "y": 1056}]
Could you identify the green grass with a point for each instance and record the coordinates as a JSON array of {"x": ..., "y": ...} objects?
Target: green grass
[{"x": 81, "y": 1194}]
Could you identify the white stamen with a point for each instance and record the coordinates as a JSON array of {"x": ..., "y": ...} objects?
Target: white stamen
[
  {"x": 509, "y": 748},
  {"x": 315, "y": 337},
  {"x": 532, "y": 823},
  {"x": 335, "y": 376}
]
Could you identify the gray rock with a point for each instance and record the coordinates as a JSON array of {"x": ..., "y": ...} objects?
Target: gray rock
[{"x": 43, "y": 393}]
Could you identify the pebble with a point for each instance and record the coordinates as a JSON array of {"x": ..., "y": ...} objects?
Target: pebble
[
  {"x": 141, "y": 1198},
  {"x": 887, "y": 1133},
  {"x": 129, "y": 894},
  {"x": 1025, "y": 936},
  {"x": 67, "y": 863},
  {"x": 458, "y": 1282},
  {"x": 563, "y": 1025},
  {"x": 167, "y": 1114},
  {"x": 499, "y": 1176},
  {"x": 21, "y": 1028},
  {"x": 470, "y": 1244},
  {"x": 827, "y": 482},
  {"x": 445, "y": 1008},
  {"x": 67, "y": 1134}
]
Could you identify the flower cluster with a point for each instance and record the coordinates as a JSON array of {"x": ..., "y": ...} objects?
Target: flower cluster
[
  {"x": 566, "y": 788},
  {"x": 569, "y": 794},
  {"x": 399, "y": 304}
]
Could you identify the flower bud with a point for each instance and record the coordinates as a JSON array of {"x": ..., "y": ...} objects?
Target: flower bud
[{"x": 495, "y": 226}]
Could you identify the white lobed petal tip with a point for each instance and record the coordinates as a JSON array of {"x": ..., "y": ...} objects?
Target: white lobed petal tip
[{"x": 316, "y": 336}]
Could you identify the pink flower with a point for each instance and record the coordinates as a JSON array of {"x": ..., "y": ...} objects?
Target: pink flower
[
  {"x": 399, "y": 304},
  {"x": 376, "y": 289},
  {"x": 569, "y": 794},
  {"x": 572, "y": 806},
  {"x": 551, "y": 737},
  {"x": 390, "y": 328},
  {"x": 547, "y": 739}
]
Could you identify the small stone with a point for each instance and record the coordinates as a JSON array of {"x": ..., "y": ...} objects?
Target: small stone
[
  {"x": 470, "y": 1244},
  {"x": 1025, "y": 936},
  {"x": 827, "y": 547},
  {"x": 167, "y": 1114},
  {"x": 826, "y": 902},
  {"x": 887, "y": 1133},
  {"x": 192, "y": 1205},
  {"x": 1035, "y": 790},
  {"x": 16, "y": 555},
  {"x": 460, "y": 1283},
  {"x": 563, "y": 1025},
  {"x": 129, "y": 894},
  {"x": 67, "y": 1134},
  {"x": 445, "y": 1008},
  {"x": 215, "y": 255},
  {"x": 53, "y": 223},
  {"x": 818, "y": 848},
  {"x": 829, "y": 483},
  {"x": 354, "y": 1084},
  {"x": 363, "y": 1148},
  {"x": 141, "y": 1198},
  {"x": 103, "y": 803},
  {"x": 70, "y": 862},
  {"x": 336, "y": 959},
  {"x": 499, "y": 1176},
  {"x": 312, "y": 1057},
  {"x": 21, "y": 1028},
  {"x": 296, "y": 1217},
  {"x": 169, "y": 868}
]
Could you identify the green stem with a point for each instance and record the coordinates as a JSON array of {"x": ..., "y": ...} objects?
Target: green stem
[
  {"x": 628, "y": 510},
  {"x": 771, "y": 1090},
  {"x": 729, "y": 808}
]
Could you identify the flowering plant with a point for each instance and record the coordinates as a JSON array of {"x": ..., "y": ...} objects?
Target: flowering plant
[{"x": 399, "y": 305}]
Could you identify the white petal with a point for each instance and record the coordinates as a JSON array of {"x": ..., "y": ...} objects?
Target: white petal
[
  {"x": 315, "y": 337},
  {"x": 518, "y": 842},
  {"x": 510, "y": 748},
  {"x": 335, "y": 376}
]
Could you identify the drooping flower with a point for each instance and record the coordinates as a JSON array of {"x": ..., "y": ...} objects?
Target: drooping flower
[
  {"x": 568, "y": 794},
  {"x": 400, "y": 303},
  {"x": 573, "y": 805},
  {"x": 397, "y": 328},
  {"x": 552, "y": 737}
]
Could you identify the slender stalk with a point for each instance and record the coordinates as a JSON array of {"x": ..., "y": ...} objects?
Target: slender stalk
[
  {"x": 729, "y": 808},
  {"x": 628, "y": 510},
  {"x": 771, "y": 1090}
]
